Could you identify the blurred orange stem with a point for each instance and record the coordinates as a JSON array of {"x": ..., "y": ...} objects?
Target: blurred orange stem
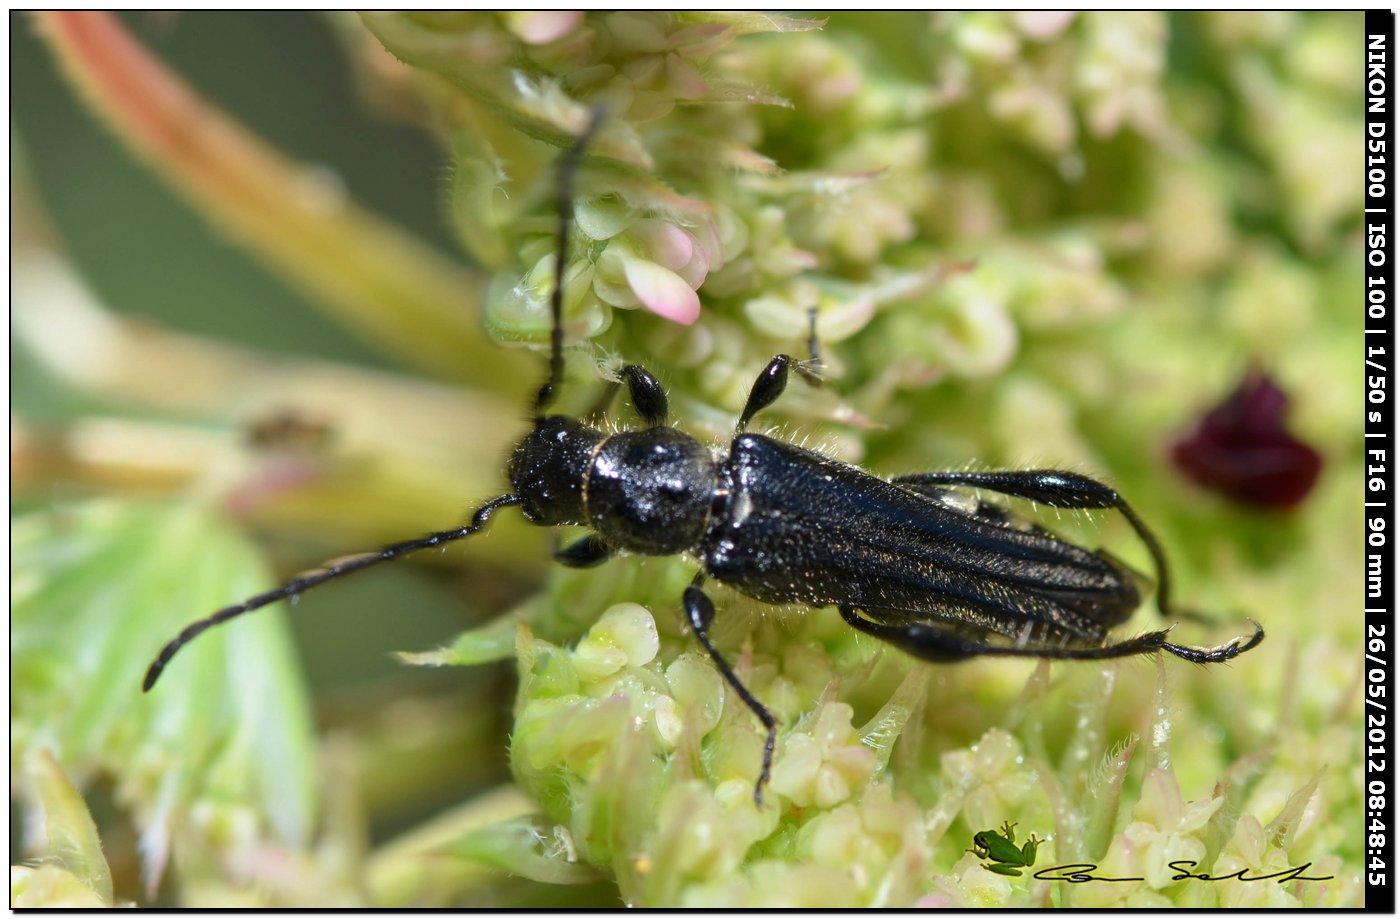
[{"x": 391, "y": 289}]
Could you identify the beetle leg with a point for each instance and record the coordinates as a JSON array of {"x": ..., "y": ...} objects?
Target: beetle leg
[
  {"x": 648, "y": 398},
  {"x": 568, "y": 170},
  {"x": 584, "y": 553},
  {"x": 766, "y": 389},
  {"x": 941, "y": 644},
  {"x": 700, "y": 612},
  {"x": 770, "y": 385},
  {"x": 1058, "y": 489},
  {"x": 773, "y": 380}
]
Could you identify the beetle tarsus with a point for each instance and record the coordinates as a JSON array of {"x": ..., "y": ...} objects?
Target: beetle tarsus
[{"x": 700, "y": 612}]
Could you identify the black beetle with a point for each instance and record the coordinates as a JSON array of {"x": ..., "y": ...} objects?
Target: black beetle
[{"x": 934, "y": 572}]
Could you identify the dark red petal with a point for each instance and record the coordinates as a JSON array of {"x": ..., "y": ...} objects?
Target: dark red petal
[{"x": 1242, "y": 449}]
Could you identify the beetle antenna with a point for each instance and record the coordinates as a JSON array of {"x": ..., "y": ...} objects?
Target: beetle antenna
[
  {"x": 568, "y": 170},
  {"x": 299, "y": 584}
]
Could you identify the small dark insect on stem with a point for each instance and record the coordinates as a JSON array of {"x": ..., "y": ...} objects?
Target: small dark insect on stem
[{"x": 907, "y": 560}]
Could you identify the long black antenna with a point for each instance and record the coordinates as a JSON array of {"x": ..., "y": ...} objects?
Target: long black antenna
[
  {"x": 306, "y": 582},
  {"x": 568, "y": 169}
]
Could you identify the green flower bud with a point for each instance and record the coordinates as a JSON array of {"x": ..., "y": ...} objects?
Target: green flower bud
[{"x": 625, "y": 636}]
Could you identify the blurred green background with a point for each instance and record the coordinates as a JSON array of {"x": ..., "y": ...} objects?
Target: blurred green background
[
  {"x": 141, "y": 249},
  {"x": 143, "y": 252}
]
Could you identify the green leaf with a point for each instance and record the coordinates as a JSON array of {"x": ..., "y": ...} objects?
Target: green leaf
[
  {"x": 96, "y": 589},
  {"x": 50, "y": 887},
  {"x": 530, "y": 847},
  {"x": 70, "y": 837},
  {"x": 494, "y": 641}
]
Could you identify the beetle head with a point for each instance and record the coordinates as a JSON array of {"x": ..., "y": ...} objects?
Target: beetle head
[{"x": 547, "y": 469}]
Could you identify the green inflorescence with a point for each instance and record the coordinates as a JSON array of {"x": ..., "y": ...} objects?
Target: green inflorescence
[{"x": 1031, "y": 240}]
